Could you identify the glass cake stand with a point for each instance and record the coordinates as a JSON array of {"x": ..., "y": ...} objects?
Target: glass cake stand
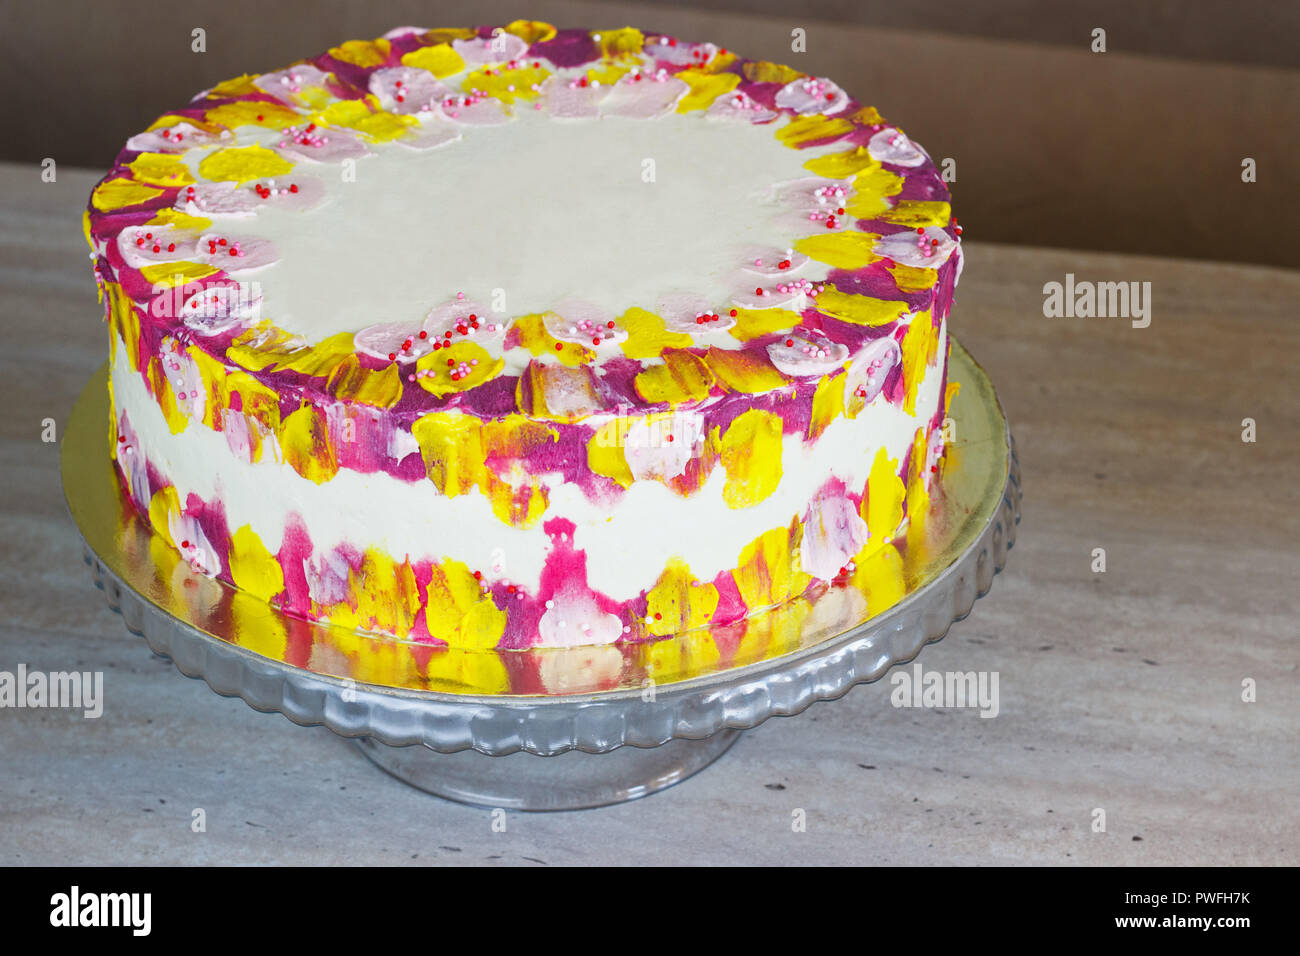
[{"x": 555, "y": 728}]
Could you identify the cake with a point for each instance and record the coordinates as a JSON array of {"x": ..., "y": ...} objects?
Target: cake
[{"x": 516, "y": 336}]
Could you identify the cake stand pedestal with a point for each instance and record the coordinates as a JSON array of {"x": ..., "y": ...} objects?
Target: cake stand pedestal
[{"x": 554, "y": 728}]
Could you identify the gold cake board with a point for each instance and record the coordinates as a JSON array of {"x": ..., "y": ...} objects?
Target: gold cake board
[{"x": 617, "y": 722}]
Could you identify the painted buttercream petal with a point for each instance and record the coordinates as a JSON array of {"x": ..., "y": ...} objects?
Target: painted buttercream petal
[
  {"x": 575, "y": 618},
  {"x": 399, "y": 32},
  {"x": 406, "y": 89},
  {"x": 639, "y": 95},
  {"x": 739, "y": 106},
  {"x": 833, "y": 532},
  {"x": 867, "y": 372},
  {"x": 576, "y": 320},
  {"x": 220, "y": 307},
  {"x": 430, "y": 134},
  {"x": 322, "y": 144},
  {"x": 795, "y": 296},
  {"x": 501, "y": 47},
  {"x": 287, "y": 85},
  {"x": 813, "y": 194},
  {"x": 772, "y": 262},
  {"x": 464, "y": 318},
  {"x": 234, "y": 255},
  {"x": 892, "y": 146},
  {"x": 174, "y": 139},
  {"x": 659, "y": 447},
  {"x": 691, "y": 314},
  {"x": 222, "y": 198},
  {"x": 800, "y": 355},
  {"x": 565, "y": 97},
  {"x": 926, "y": 248},
  {"x": 681, "y": 54},
  {"x": 568, "y": 392},
  {"x": 392, "y": 341},
  {"x": 193, "y": 544},
  {"x": 142, "y": 246},
  {"x": 810, "y": 95},
  {"x": 473, "y": 110}
]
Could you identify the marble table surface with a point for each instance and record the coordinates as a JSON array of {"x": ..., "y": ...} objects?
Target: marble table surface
[{"x": 1120, "y": 691}]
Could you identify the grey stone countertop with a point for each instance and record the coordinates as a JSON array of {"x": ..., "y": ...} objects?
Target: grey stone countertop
[{"x": 1119, "y": 690}]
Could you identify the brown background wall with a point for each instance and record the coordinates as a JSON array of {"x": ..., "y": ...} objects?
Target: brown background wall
[{"x": 1138, "y": 149}]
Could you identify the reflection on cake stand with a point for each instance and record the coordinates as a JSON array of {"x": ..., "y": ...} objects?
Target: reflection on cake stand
[{"x": 555, "y": 728}]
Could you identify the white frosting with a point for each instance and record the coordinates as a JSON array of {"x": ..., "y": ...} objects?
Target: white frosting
[{"x": 404, "y": 221}]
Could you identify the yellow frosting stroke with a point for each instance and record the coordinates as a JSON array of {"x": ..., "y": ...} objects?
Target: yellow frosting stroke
[
  {"x": 120, "y": 193},
  {"x": 751, "y": 455},
  {"x": 252, "y": 566},
  {"x": 304, "y": 441},
  {"x": 458, "y": 612},
  {"x": 843, "y": 250},
  {"x": 682, "y": 377},
  {"x": 705, "y": 88},
  {"x": 441, "y": 60},
  {"x": 365, "y": 53},
  {"x": 679, "y": 601},
  {"x": 243, "y": 164}
]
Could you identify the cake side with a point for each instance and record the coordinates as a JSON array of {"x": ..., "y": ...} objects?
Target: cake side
[{"x": 591, "y": 471}]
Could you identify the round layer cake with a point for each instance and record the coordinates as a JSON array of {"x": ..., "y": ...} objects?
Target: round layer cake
[{"x": 510, "y": 336}]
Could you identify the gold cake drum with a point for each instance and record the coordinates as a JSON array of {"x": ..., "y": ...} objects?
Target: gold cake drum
[{"x": 691, "y": 685}]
